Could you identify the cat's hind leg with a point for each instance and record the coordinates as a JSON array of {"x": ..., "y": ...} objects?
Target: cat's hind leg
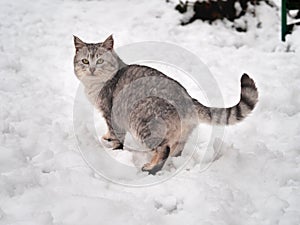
[{"x": 161, "y": 153}]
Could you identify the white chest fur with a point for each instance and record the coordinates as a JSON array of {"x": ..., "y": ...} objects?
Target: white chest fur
[{"x": 92, "y": 87}]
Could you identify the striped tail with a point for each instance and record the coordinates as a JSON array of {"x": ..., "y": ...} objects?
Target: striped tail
[{"x": 234, "y": 114}]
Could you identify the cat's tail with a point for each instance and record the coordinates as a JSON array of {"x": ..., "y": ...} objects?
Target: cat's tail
[{"x": 234, "y": 114}]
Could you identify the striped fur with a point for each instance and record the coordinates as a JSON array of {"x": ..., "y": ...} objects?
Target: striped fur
[
  {"x": 154, "y": 108},
  {"x": 234, "y": 114}
]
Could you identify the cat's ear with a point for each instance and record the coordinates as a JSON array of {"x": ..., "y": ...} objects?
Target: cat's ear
[
  {"x": 108, "y": 43},
  {"x": 78, "y": 43}
]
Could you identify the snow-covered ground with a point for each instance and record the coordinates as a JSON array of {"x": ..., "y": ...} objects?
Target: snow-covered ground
[{"x": 45, "y": 181}]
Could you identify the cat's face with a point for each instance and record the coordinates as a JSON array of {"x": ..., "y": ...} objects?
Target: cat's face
[{"x": 95, "y": 60}]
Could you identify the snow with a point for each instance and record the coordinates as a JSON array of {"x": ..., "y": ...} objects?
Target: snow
[{"x": 44, "y": 180}]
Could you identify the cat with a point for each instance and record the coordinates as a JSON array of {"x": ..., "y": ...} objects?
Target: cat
[{"x": 154, "y": 108}]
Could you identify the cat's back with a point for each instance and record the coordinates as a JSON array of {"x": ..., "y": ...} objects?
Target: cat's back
[
  {"x": 135, "y": 83},
  {"x": 144, "y": 78},
  {"x": 134, "y": 72}
]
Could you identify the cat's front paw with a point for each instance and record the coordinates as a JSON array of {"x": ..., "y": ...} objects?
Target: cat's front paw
[
  {"x": 107, "y": 137},
  {"x": 106, "y": 143},
  {"x": 117, "y": 146}
]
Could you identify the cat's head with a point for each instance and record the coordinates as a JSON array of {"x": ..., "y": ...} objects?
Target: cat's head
[{"x": 95, "y": 60}]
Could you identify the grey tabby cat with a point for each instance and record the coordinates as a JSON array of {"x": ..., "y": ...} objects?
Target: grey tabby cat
[{"x": 141, "y": 100}]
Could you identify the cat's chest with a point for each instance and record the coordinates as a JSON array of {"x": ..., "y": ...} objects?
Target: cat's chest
[{"x": 92, "y": 93}]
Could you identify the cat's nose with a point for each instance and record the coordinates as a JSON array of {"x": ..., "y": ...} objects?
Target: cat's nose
[{"x": 92, "y": 69}]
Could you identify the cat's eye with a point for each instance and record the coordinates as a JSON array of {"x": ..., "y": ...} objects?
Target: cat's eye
[
  {"x": 85, "y": 61},
  {"x": 99, "y": 61}
]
